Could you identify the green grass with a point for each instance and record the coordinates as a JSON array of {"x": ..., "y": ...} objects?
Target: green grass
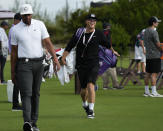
[{"x": 60, "y": 109}]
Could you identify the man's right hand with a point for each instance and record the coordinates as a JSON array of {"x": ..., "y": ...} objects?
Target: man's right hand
[
  {"x": 144, "y": 51},
  {"x": 63, "y": 61},
  {"x": 13, "y": 78},
  {"x": 116, "y": 53}
]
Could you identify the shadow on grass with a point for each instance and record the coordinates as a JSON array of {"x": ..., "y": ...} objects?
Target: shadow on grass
[{"x": 4, "y": 101}]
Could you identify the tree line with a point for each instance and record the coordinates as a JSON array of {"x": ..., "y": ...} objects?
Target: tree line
[{"x": 127, "y": 19}]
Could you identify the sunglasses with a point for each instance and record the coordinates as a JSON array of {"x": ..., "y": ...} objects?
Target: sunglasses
[{"x": 92, "y": 20}]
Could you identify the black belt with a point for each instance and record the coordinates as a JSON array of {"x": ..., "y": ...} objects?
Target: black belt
[{"x": 31, "y": 59}]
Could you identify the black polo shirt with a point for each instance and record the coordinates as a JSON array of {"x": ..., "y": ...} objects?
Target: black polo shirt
[{"x": 87, "y": 56}]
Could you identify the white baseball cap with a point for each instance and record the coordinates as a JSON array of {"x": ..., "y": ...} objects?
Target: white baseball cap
[
  {"x": 26, "y": 9},
  {"x": 156, "y": 19}
]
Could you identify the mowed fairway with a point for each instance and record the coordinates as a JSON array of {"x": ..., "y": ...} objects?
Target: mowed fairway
[{"x": 60, "y": 109}]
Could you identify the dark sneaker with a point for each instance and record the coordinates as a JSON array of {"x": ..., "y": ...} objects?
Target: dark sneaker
[
  {"x": 17, "y": 108},
  {"x": 142, "y": 75},
  {"x": 135, "y": 82},
  {"x": 118, "y": 87},
  {"x": 105, "y": 88},
  {"x": 4, "y": 83},
  {"x": 138, "y": 73},
  {"x": 86, "y": 109},
  {"x": 34, "y": 126},
  {"x": 91, "y": 114},
  {"x": 35, "y": 129},
  {"x": 27, "y": 127}
]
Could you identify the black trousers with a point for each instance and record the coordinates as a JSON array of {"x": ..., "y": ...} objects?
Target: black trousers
[
  {"x": 16, "y": 90},
  {"x": 29, "y": 78},
  {"x": 15, "y": 96},
  {"x": 2, "y": 65}
]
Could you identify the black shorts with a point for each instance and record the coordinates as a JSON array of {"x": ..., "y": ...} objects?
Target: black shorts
[
  {"x": 88, "y": 75},
  {"x": 153, "y": 65}
]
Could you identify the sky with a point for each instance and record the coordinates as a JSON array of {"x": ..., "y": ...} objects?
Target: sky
[{"x": 52, "y": 6}]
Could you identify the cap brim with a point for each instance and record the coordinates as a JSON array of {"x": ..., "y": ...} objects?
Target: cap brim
[
  {"x": 6, "y": 24},
  {"x": 26, "y": 13},
  {"x": 91, "y": 19},
  {"x": 159, "y": 21}
]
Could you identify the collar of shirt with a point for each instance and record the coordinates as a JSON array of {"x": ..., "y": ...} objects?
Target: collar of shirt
[{"x": 26, "y": 24}]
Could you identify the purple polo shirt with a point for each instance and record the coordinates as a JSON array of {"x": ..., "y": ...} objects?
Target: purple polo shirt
[{"x": 9, "y": 39}]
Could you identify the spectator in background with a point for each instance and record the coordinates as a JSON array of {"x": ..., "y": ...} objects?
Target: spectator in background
[
  {"x": 140, "y": 52},
  {"x": 27, "y": 54},
  {"x": 153, "y": 53},
  {"x": 3, "y": 49},
  {"x": 15, "y": 102},
  {"x": 111, "y": 72}
]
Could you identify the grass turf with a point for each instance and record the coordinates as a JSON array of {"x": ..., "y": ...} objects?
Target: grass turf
[{"x": 60, "y": 109}]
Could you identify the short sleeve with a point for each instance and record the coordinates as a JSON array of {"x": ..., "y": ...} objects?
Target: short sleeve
[
  {"x": 156, "y": 37},
  {"x": 13, "y": 37},
  {"x": 142, "y": 36},
  {"x": 0, "y": 36},
  {"x": 44, "y": 32}
]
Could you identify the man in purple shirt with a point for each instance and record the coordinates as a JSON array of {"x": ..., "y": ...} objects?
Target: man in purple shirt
[
  {"x": 15, "y": 102},
  {"x": 17, "y": 19}
]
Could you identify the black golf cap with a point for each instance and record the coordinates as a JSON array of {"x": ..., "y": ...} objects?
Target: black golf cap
[
  {"x": 17, "y": 16},
  {"x": 105, "y": 25},
  {"x": 91, "y": 16},
  {"x": 4, "y": 23}
]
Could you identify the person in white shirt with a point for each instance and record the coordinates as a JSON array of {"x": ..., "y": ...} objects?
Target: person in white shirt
[
  {"x": 140, "y": 53},
  {"x": 3, "y": 49},
  {"x": 27, "y": 51}
]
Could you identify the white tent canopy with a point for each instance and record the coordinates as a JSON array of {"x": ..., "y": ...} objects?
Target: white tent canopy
[
  {"x": 6, "y": 14},
  {"x": 103, "y": 0}
]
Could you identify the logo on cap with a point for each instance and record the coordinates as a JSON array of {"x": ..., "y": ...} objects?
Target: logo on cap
[{"x": 25, "y": 8}]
